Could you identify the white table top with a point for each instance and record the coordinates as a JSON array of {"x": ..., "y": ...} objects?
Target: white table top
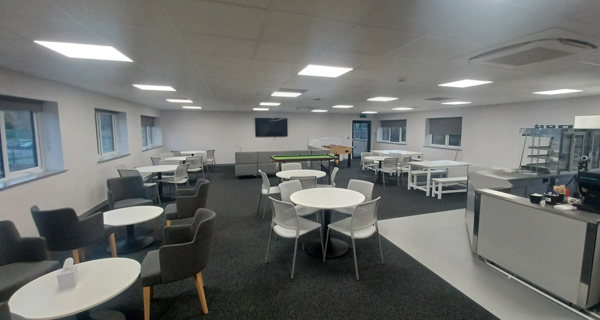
[
  {"x": 287, "y": 174},
  {"x": 131, "y": 215},
  {"x": 158, "y": 168},
  {"x": 402, "y": 152},
  {"x": 178, "y": 158},
  {"x": 192, "y": 151},
  {"x": 99, "y": 281},
  {"x": 327, "y": 198},
  {"x": 376, "y": 158},
  {"x": 438, "y": 163}
]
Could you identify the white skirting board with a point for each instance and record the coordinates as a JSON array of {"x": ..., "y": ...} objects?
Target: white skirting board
[{"x": 439, "y": 241}]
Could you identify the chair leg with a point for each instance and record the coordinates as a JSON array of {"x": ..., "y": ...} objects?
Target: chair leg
[
  {"x": 355, "y": 263},
  {"x": 259, "y": 201},
  {"x": 113, "y": 244},
  {"x": 158, "y": 194},
  {"x": 294, "y": 258},
  {"x": 268, "y": 245},
  {"x": 168, "y": 223},
  {"x": 200, "y": 288},
  {"x": 147, "y": 291},
  {"x": 379, "y": 241},
  {"x": 75, "y": 256}
]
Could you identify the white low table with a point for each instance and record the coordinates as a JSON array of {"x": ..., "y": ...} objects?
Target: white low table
[
  {"x": 99, "y": 281},
  {"x": 430, "y": 166},
  {"x": 287, "y": 174},
  {"x": 327, "y": 199},
  {"x": 128, "y": 217}
]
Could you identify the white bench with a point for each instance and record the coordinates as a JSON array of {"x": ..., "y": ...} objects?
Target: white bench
[
  {"x": 439, "y": 183},
  {"x": 415, "y": 174}
]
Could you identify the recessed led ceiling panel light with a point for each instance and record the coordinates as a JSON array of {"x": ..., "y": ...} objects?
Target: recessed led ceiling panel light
[
  {"x": 152, "y": 87},
  {"x": 382, "y": 99},
  {"x": 180, "y": 100},
  {"x": 456, "y": 103},
  {"x": 465, "y": 83},
  {"x": 287, "y": 94},
  {"x": 192, "y": 107},
  {"x": 559, "y": 91},
  {"x": 318, "y": 110},
  {"x": 323, "y": 71},
  {"x": 260, "y": 109},
  {"x": 342, "y": 106},
  {"x": 403, "y": 108},
  {"x": 369, "y": 112},
  {"x": 270, "y": 104},
  {"x": 85, "y": 51}
]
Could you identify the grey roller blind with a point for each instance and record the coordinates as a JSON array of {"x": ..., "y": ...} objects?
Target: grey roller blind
[
  {"x": 15, "y": 103},
  {"x": 445, "y": 126},
  {"x": 393, "y": 123},
  {"x": 148, "y": 121}
]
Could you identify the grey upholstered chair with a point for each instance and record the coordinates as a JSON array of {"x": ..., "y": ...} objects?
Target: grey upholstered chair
[
  {"x": 187, "y": 202},
  {"x": 126, "y": 192},
  {"x": 153, "y": 186},
  {"x": 63, "y": 230},
  {"x": 184, "y": 254},
  {"x": 21, "y": 260}
]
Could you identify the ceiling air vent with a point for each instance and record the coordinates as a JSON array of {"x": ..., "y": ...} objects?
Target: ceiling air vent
[{"x": 439, "y": 98}]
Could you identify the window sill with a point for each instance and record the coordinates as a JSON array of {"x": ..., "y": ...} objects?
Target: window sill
[
  {"x": 15, "y": 181},
  {"x": 112, "y": 157},
  {"x": 401, "y": 142},
  {"x": 151, "y": 147},
  {"x": 442, "y": 147}
]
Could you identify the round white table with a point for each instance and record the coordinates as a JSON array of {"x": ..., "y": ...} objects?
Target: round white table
[
  {"x": 128, "y": 217},
  {"x": 327, "y": 199},
  {"x": 159, "y": 170},
  {"x": 177, "y": 158},
  {"x": 98, "y": 281},
  {"x": 287, "y": 174},
  {"x": 194, "y": 152}
]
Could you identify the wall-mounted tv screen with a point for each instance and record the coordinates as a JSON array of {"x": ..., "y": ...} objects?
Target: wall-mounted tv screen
[{"x": 270, "y": 127}]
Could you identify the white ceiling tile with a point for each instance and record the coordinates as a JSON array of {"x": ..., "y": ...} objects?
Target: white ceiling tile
[
  {"x": 344, "y": 10},
  {"x": 251, "y": 3},
  {"x": 220, "y": 46},
  {"x": 429, "y": 48},
  {"x": 284, "y": 52},
  {"x": 370, "y": 40}
]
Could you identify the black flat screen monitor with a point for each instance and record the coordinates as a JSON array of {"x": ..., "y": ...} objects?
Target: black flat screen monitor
[
  {"x": 589, "y": 187},
  {"x": 270, "y": 127}
]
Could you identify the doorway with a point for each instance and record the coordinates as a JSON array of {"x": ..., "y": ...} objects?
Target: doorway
[{"x": 361, "y": 137}]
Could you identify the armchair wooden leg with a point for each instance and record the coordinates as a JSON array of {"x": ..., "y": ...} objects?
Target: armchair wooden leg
[
  {"x": 75, "y": 256},
  {"x": 168, "y": 223},
  {"x": 200, "y": 287},
  {"x": 147, "y": 291},
  {"x": 113, "y": 244},
  {"x": 82, "y": 254}
]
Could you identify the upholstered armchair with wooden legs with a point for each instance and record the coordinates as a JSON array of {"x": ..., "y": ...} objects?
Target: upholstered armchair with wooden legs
[
  {"x": 184, "y": 254},
  {"x": 63, "y": 231},
  {"x": 187, "y": 202}
]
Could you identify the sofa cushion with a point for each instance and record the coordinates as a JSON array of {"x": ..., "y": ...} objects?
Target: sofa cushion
[
  {"x": 246, "y": 169},
  {"x": 245, "y": 157},
  {"x": 15, "y": 275}
]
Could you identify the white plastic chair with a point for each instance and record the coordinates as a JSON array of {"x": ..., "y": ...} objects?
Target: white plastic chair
[
  {"x": 364, "y": 187},
  {"x": 287, "y": 224},
  {"x": 333, "y": 175},
  {"x": 291, "y": 166},
  {"x": 389, "y": 166},
  {"x": 165, "y": 155},
  {"x": 361, "y": 225},
  {"x": 265, "y": 190},
  {"x": 195, "y": 165},
  {"x": 307, "y": 182},
  {"x": 180, "y": 176},
  {"x": 366, "y": 164},
  {"x": 287, "y": 188},
  {"x": 210, "y": 158}
]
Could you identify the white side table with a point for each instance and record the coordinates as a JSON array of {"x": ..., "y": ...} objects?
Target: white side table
[{"x": 128, "y": 217}]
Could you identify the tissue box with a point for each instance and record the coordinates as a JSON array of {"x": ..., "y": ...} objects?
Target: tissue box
[{"x": 67, "y": 278}]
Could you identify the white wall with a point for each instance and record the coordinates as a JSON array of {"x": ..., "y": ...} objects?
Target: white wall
[
  {"x": 83, "y": 185},
  {"x": 228, "y": 132},
  {"x": 490, "y": 134}
]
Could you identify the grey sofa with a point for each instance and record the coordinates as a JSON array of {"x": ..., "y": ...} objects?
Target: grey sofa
[{"x": 247, "y": 163}]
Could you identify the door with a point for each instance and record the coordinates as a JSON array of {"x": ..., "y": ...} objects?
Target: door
[{"x": 361, "y": 137}]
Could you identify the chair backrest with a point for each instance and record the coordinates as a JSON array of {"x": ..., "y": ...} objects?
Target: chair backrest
[
  {"x": 125, "y": 188},
  {"x": 288, "y": 187},
  {"x": 390, "y": 163},
  {"x": 190, "y": 200},
  {"x": 364, "y": 187},
  {"x": 291, "y": 166},
  {"x": 176, "y": 153},
  {"x": 284, "y": 214},
  {"x": 333, "y": 175},
  {"x": 210, "y": 155},
  {"x": 266, "y": 184},
  {"x": 363, "y": 155},
  {"x": 307, "y": 182},
  {"x": 182, "y": 260},
  {"x": 128, "y": 172},
  {"x": 365, "y": 214},
  {"x": 194, "y": 162},
  {"x": 404, "y": 160},
  {"x": 155, "y": 160},
  {"x": 166, "y": 155},
  {"x": 62, "y": 229},
  {"x": 169, "y": 162},
  {"x": 9, "y": 240},
  {"x": 181, "y": 172}
]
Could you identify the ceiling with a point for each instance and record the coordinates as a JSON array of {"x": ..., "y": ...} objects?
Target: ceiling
[{"x": 230, "y": 55}]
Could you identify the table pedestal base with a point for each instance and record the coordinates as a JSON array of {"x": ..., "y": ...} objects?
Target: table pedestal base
[
  {"x": 335, "y": 249},
  {"x": 100, "y": 315},
  {"x": 132, "y": 243}
]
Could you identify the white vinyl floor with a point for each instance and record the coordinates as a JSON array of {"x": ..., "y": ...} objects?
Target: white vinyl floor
[{"x": 440, "y": 242}]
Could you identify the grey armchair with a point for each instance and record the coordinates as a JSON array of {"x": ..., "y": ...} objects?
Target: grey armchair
[
  {"x": 187, "y": 202},
  {"x": 21, "y": 260},
  {"x": 126, "y": 192},
  {"x": 184, "y": 254},
  {"x": 63, "y": 230}
]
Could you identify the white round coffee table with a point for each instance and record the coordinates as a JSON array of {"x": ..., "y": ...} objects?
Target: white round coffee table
[
  {"x": 327, "y": 199},
  {"x": 287, "y": 174},
  {"x": 128, "y": 217},
  {"x": 98, "y": 281}
]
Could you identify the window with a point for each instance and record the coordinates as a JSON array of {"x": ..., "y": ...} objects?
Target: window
[
  {"x": 151, "y": 135},
  {"x": 111, "y": 134},
  {"x": 392, "y": 131},
  {"x": 444, "y": 132},
  {"x": 19, "y": 142}
]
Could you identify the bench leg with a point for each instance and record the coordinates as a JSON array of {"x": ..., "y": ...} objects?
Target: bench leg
[{"x": 439, "y": 190}]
